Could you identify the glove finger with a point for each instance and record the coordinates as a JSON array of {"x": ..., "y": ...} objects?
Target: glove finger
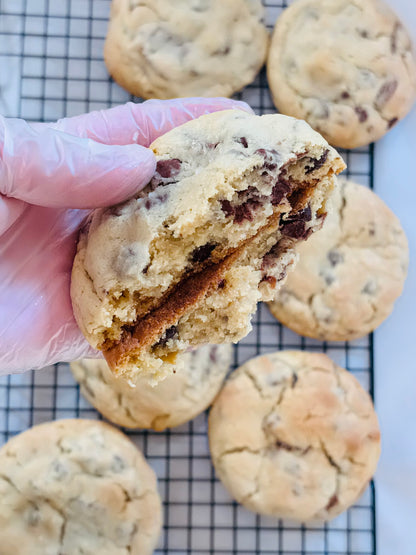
[
  {"x": 142, "y": 123},
  {"x": 37, "y": 325},
  {"x": 46, "y": 167}
]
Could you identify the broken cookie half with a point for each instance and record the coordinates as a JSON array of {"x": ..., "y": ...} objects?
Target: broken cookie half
[{"x": 186, "y": 261}]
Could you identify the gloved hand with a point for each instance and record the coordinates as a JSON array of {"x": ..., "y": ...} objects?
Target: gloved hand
[{"x": 49, "y": 175}]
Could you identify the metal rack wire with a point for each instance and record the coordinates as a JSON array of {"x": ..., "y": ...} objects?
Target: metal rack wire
[{"x": 52, "y": 66}]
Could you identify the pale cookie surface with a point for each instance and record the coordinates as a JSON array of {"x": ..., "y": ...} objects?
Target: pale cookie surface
[
  {"x": 164, "y": 49},
  {"x": 293, "y": 435},
  {"x": 176, "y": 400},
  {"x": 345, "y": 66},
  {"x": 185, "y": 263},
  {"x": 76, "y": 487},
  {"x": 350, "y": 273}
]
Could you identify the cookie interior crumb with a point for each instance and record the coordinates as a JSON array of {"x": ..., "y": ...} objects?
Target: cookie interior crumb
[
  {"x": 180, "y": 317},
  {"x": 186, "y": 261}
]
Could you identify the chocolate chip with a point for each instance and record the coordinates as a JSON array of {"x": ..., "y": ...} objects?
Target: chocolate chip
[
  {"x": 332, "y": 502},
  {"x": 146, "y": 269},
  {"x": 245, "y": 211},
  {"x": 345, "y": 95},
  {"x": 168, "y": 168},
  {"x": 385, "y": 92},
  {"x": 279, "y": 191},
  {"x": 170, "y": 333},
  {"x": 270, "y": 156},
  {"x": 306, "y": 214},
  {"x": 269, "y": 260},
  {"x": 296, "y": 230},
  {"x": 335, "y": 257},
  {"x": 243, "y": 141},
  {"x": 317, "y": 163},
  {"x": 295, "y": 226},
  {"x": 221, "y": 284},
  {"x": 212, "y": 146},
  {"x": 392, "y": 122},
  {"x": 202, "y": 253},
  {"x": 361, "y": 113},
  {"x": 227, "y": 208}
]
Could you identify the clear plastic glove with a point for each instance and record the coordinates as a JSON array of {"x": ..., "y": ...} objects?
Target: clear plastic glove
[{"x": 49, "y": 175}]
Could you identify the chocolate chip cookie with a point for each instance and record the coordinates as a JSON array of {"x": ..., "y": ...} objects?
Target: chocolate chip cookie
[
  {"x": 350, "y": 273},
  {"x": 186, "y": 261},
  {"x": 76, "y": 486},
  {"x": 345, "y": 66},
  {"x": 293, "y": 435},
  {"x": 164, "y": 49},
  {"x": 176, "y": 400}
]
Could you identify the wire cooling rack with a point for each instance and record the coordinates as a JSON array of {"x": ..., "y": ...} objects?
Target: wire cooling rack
[{"x": 51, "y": 59}]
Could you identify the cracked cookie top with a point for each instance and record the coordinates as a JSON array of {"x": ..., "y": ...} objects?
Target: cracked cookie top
[
  {"x": 293, "y": 435},
  {"x": 164, "y": 49},
  {"x": 76, "y": 487},
  {"x": 349, "y": 273},
  {"x": 172, "y": 402},
  {"x": 345, "y": 66}
]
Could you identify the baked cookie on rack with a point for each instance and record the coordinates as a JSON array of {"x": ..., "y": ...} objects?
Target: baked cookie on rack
[
  {"x": 186, "y": 261},
  {"x": 176, "y": 400},
  {"x": 164, "y": 49},
  {"x": 76, "y": 486},
  {"x": 293, "y": 435},
  {"x": 345, "y": 66},
  {"x": 349, "y": 274}
]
